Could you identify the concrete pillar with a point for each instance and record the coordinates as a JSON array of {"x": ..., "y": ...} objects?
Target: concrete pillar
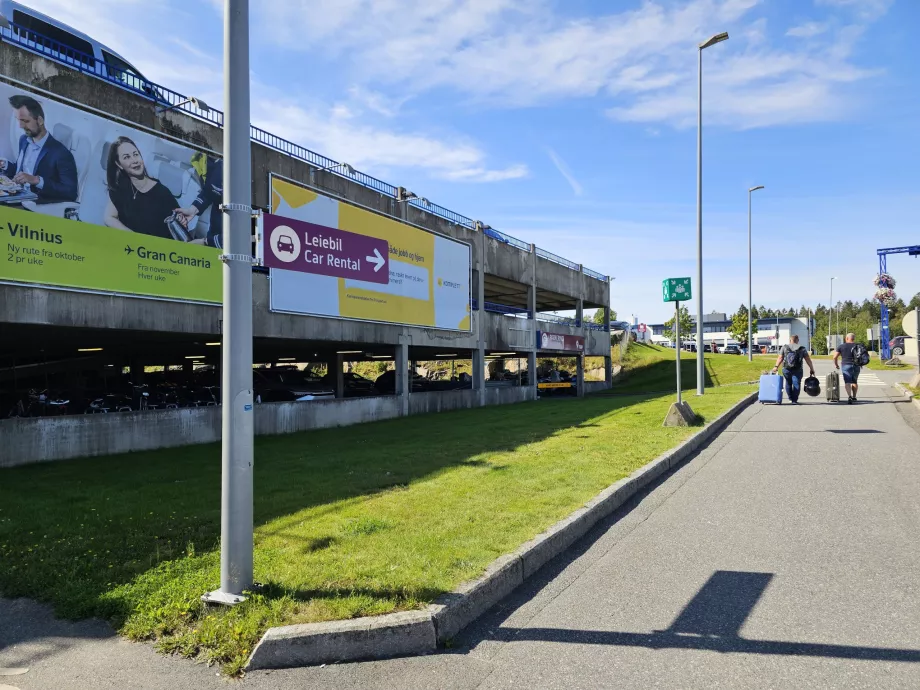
[
  {"x": 608, "y": 371},
  {"x": 479, "y": 375},
  {"x": 580, "y": 312},
  {"x": 137, "y": 372},
  {"x": 403, "y": 385},
  {"x": 336, "y": 367},
  {"x": 580, "y": 368}
]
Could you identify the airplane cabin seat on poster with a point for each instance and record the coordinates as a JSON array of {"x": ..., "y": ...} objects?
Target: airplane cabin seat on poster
[{"x": 92, "y": 204}]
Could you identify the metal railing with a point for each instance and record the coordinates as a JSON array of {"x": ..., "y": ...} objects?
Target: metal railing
[
  {"x": 555, "y": 318},
  {"x": 591, "y": 326},
  {"x": 507, "y": 310},
  {"x": 555, "y": 258},
  {"x": 506, "y": 239},
  {"x": 166, "y": 97}
]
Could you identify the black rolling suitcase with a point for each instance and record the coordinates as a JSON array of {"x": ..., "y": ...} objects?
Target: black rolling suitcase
[{"x": 832, "y": 387}]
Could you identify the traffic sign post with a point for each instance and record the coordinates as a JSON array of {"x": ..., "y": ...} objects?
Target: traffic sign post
[
  {"x": 677, "y": 290},
  {"x": 677, "y": 346}
]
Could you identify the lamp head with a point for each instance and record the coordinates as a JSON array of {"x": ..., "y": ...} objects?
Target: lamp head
[
  {"x": 718, "y": 38},
  {"x": 754, "y": 189}
]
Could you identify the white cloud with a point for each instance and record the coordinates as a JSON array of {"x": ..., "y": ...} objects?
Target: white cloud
[
  {"x": 565, "y": 172},
  {"x": 338, "y": 133},
  {"x": 513, "y": 53},
  {"x": 145, "y": 34},
  {"x": 807, "y": 30}
]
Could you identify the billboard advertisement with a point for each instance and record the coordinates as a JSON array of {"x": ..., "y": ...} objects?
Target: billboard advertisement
[
  {"x": 90, "y": 204},
  {"x": 560, "y": 341},
  {"x": 330, "y": 258}
]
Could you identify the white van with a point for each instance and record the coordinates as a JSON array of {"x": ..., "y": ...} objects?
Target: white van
[{"x": 45, "y": 35}]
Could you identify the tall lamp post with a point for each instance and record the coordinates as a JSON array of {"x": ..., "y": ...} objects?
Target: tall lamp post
[
  {"x": 750, "y": 343},
  {"x": 236, "y": 540},
  {"x": 700, "y": 344},
  {"x": 830, "y": 316}
]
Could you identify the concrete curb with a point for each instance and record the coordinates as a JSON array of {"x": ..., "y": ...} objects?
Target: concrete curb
[
  {"x": 907, "y": 394},
  {"x": 419, "y": 632}
]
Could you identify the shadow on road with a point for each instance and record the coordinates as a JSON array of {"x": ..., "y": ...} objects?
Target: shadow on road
[{"x": 711, "y": 621}]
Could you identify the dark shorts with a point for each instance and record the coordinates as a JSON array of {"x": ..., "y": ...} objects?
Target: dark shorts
[{"x": 850, "y": 373}]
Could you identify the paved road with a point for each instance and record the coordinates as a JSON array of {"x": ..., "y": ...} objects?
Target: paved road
[{"x": 785, "y": 555}]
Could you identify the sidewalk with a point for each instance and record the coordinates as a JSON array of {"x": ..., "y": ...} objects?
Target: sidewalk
[{"x": 784, "y": 555}]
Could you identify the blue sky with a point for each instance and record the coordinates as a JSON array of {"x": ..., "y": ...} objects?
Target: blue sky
[{"x": 572, "y": 124}]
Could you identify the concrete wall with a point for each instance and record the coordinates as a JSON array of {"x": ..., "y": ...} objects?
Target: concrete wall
[
  {"x": 427, "y": 403},
  {"x": 286, "y": 418},
  {"x": 595, "y": 386},
  {"x": 43, "y": 439},
  {"x": 505, "y": 395}
]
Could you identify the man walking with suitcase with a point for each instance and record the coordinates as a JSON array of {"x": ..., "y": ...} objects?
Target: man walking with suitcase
[
  {"x": 849, "y": 358},
  {"x": 791, "y": 357}
]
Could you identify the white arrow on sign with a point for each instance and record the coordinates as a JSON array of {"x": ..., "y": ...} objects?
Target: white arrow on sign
[{"x": 376, "y": 259}]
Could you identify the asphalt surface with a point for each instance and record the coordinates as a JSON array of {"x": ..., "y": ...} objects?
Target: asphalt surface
[{"x": 784, "y": 555}]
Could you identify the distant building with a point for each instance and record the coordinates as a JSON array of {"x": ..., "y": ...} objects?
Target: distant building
[{"x": 770, "y": 331}]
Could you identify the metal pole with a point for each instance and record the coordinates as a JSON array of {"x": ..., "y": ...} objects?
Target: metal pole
[
  {"x": 700, "y": 363},
  {"x": 750, "y": 303},
  {"x": 917, "y": 337},
  {"x": 830, "y": 316},
  {"x": 838, "y": 322},
  {"x": 236, "y": 542},
  {"x": 677, "y": 347}
]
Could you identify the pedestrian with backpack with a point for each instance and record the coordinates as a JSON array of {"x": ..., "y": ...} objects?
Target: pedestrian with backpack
[
  {"x": 791, "y": 357},
  {"x": 850, "y": 358}
]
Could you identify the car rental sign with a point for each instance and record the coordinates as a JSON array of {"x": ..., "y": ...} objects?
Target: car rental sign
[{"x": 296, "y": 245}]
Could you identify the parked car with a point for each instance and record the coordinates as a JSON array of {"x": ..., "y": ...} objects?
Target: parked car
[
  {"x": 288, "y": 385},
  {"x": 355, "y": 385},
  {"x": 897, "y": 345},
  {"x": 55, "y": 40},
  {"x": 731, "y": 350},
  {"x": 386, "y": 382}
]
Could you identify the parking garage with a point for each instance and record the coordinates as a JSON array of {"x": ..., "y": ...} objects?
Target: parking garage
[{"x": 139, "y": 373}]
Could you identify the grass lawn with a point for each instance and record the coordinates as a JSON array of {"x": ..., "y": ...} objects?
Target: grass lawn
[
  {"x": 350, "y": 522},
  {"x": 651, "y": 368}
]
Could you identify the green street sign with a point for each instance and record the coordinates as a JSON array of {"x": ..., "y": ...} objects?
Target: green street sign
[{"x": 676, "y": 289}]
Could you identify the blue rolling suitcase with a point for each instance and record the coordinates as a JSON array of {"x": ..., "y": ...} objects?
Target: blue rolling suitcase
[{"x": 771, "y": 389}]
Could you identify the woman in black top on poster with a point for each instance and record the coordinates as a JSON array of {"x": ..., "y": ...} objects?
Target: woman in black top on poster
[{"x": 137, "y": 202}]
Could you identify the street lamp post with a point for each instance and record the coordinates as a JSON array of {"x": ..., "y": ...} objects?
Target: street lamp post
[
  {"x": 750, "y": 303},
  {"x": 830, "y": 316},
  {"x": 236, "y": 539},
  {"x": 700, "y": 345}
]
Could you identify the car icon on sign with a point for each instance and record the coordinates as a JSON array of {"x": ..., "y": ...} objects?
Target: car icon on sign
[{"x": 285, "y": 244}]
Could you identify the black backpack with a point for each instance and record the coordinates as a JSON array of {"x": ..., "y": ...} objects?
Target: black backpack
[
  {"x": 793, "y": 358},
  {"x": 860, "y": 354}
]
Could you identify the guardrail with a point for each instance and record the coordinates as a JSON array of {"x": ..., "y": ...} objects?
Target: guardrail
[
  {"x": 506, "y": 239},
  {"x": 164, "y": 96},
  {"x": 507, "y": 310},
  {"x": 555, "y": 258},
  {"x": 591, "y": 326},
  {"x": 555, "y": 318}
]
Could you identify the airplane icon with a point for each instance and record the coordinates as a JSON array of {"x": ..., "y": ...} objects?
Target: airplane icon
[{"x": 128, "y": 250}]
